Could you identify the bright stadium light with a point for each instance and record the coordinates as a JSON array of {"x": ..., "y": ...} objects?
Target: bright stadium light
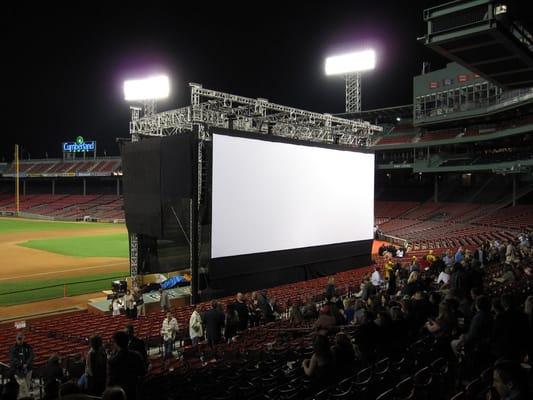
[
  {"x": 152, "y": 88},
  {"x": 351, "y": 62},
  {"x": 351, "y": 65}
]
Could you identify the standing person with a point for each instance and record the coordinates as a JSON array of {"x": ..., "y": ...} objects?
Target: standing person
[
  {"x": 136, "y": 344},
  {"x": 376, "y": 277},
  {"x": 242, "y": 311},
  {"x": 125, "y": 368},
  {"x": 231, "y": 323},
  {"x": 52, "y": 377},
  {"x": 115, "y": 305},
  {"x": 214, "y": 322},
  {"x": 139, "y": 302},
  {"x": 254, "y": 312},
  {"x": 96, "y": 367},
  {"x": 129, "y": 304},
  {"x": 164, "y": 302},
  {"x": 21, "y": 358},
  {"x": 196, "y": 331},
  {"x": 168, "y": 331},
  {"x": 330, "y": 287},
  {"x": 266, "y": 309}
]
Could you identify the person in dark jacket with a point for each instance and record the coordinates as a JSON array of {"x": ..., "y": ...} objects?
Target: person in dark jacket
[
  {"x": 96, "y": 367},
  {"x": 231, "y": 323},
  {"x": 52, "y": 377},
  {"x": 21, "y": 360},
  {"x": 266, "y": 309},
  {"x": 480, "y": 329},
  {"x": 459, "y": 281},
  {"x": 136, "y": 344},
  {"x": 242, "y": 311},
  {"x": 330, "y": 288},
  {"x": 214, "y": 322},
  {"x": 125, "y": 368},
  {"x": 509, "y": 336}
]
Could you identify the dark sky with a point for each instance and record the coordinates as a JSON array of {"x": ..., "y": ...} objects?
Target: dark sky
[{"x": 66, "y": 65}]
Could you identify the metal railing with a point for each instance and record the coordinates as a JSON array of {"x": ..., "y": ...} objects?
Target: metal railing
[{"x": 59, "y": 290}]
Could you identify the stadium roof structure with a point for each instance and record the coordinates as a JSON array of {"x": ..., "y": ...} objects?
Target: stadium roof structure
[
  {"x": 485, "y": 37},
  {"x": 382, "y": 114},
  {"x": 210, "y": 108}
]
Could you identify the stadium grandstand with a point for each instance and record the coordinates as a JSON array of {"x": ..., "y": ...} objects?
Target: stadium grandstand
[
  {"x": 64, "y": 189},
  {"x": 442, "y": 310}
]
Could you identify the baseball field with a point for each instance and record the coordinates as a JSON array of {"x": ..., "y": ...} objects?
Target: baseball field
[{"x": 42, "y": 260}]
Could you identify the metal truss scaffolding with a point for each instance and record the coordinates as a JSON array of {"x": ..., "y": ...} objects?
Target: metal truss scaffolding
[
  {"x": 353, "y": 92},
  {"x": 210, "y": 108}
]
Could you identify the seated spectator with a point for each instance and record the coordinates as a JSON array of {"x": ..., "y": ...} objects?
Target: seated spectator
[
  {"x": 509, "y": 336},
  {"x": 368, "y": 289},
  {"x": 359, "y": 312},
  {"x": 478, "y": 335},
  {"x": 320, "y": 367},
  {"x": 295, "y": 313},
  {"x": 344, "y": 353},
  {"x": 508, "y": 382},
  {"x": 445, "y": 322},
  {"x": 508, "y": 275},
  {"x": 69, "y": 389},
  {"x": 326, "y": 322},
  {"x": 114, "y": 393},
  {"x": 309, "y": 310},
  {"x": 413, "y": 284},
  {"x": 349, "y": 310}
]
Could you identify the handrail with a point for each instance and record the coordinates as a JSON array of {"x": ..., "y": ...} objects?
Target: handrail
[{"x": 60, "y": 285}]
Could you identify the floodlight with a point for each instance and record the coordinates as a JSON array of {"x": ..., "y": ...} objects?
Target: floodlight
[
  {"x": 352, "y": 62},
  {"x": 152, "y": 88}
]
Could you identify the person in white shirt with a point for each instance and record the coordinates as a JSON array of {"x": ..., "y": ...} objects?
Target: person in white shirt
[
  {"x": 376, "y": 278},
  {"x": 168, "y": 331},
  {"x": 195, "y": 326},
  {"x": 444, "y": 277},
  {"x": 116, "y": 305}
]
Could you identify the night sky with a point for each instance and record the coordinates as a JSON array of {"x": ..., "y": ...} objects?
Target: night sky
[{"x": 66, "y": 65}]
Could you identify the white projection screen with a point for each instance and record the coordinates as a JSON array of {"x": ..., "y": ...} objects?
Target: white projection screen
[{"x": 269, "y": 196}]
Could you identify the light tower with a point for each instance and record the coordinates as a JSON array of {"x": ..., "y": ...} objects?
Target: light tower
[
  {"x": 147, "y": 91},
  {"x": 351, "y": 65}
]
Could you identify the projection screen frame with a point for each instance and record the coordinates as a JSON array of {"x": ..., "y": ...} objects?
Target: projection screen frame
[{"x": 218, "y": 262}]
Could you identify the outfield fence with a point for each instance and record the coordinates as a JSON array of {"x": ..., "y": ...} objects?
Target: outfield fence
[{"x": 56, "y": 291}]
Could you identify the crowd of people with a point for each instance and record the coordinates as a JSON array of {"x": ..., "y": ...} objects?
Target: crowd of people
[
  {"x": 449, "y": 297},
  {"x": 112, "y": 371}
]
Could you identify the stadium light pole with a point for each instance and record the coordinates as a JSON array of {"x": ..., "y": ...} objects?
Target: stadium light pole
[{"x": 351, "y": 65}]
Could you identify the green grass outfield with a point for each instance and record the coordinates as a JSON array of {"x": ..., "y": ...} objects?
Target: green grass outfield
[
  {"x": 13, "y": 225},
  {"x": 114, "y": 245},
  {"x": 103, "y": 245},
  {"x": 39, "y": 289}
]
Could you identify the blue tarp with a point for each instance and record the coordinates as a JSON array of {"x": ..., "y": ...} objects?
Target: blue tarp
[{"x": 171, "y": 282}]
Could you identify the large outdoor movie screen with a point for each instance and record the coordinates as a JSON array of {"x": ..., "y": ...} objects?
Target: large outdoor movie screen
[{"x": 270, "y": 196}]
